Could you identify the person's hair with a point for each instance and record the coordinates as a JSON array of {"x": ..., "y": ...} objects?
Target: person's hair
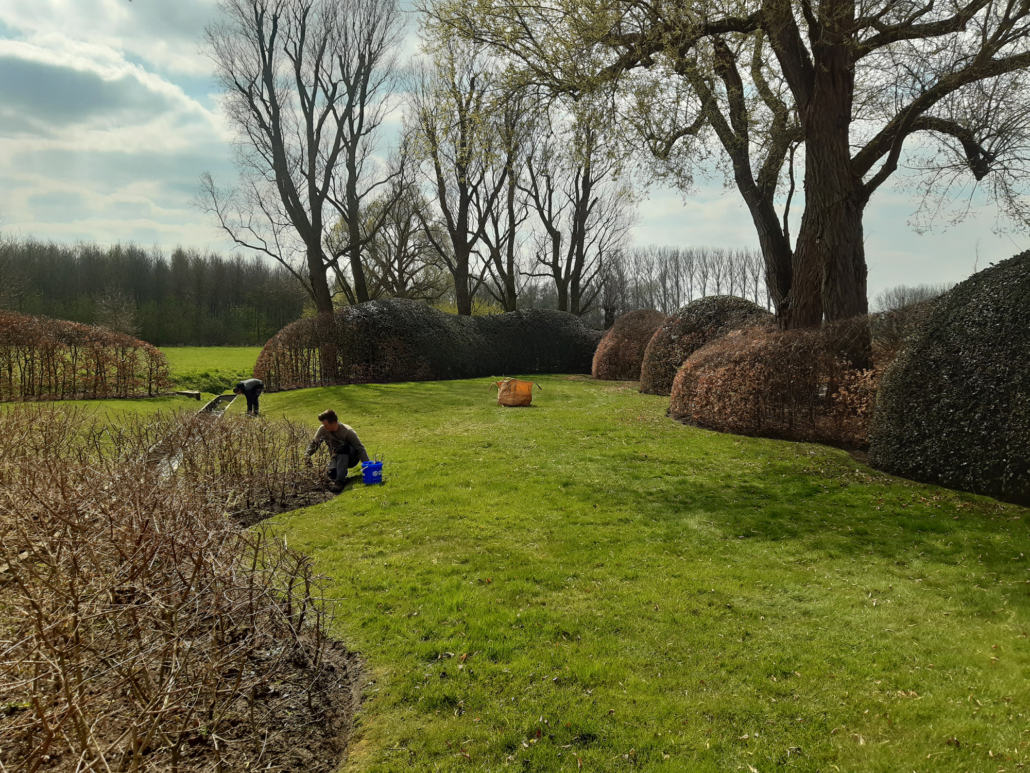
[
  {"x": 236, "y": 389},
  {"x": 329, "y": 416}
]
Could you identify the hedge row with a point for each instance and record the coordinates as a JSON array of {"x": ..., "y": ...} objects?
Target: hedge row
[
  {"x": 686, "y": 331},
  {"x": 49, "y": 359},
  {"x": 620, "y": 353},
  {"x": 954, "y": 409},
  {"x": 799, "y": 385},
  {"x": 403, "y": 340}
]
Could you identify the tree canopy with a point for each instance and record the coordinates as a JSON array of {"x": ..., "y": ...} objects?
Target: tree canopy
[{"x": 847, "y": 89}]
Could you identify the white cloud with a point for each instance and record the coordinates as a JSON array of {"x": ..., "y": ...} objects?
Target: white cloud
[
  {"x": 164, "y": 33},
  {"x": 98, "y": 146}
]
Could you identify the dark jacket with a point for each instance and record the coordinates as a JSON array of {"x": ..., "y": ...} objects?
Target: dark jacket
[{"x": 250, "y": 385}]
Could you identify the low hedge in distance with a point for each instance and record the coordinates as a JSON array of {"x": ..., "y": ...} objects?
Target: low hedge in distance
[
  {"x": 52, "y": 359},
  {"x": 403, "y": 340},
  {"x": 954, "y": 409},
  {"x": 797, "y": 385},
  {"x": 690, "y": 328},
  {"x": 620, "y": 353}
]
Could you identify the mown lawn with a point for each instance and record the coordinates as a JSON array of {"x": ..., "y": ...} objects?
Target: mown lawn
[
  {"x": 210, "y": 369},
  {"x": 587, "y": 583}
]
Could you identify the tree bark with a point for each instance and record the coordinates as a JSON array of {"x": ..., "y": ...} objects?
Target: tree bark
[
  {"x": 462, "y": 296},
  {"x": 829, "y": 269},
  {"x": 320, "y": 292}
]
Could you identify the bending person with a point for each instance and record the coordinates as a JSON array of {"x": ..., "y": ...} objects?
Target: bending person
[
  {"x": 251, "y": 389},
  {"x": 344, "y": 446}
]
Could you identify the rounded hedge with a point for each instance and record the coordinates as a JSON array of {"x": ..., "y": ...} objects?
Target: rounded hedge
[
  {"x": 620, "y": 353},
  {"x": 954, "y": 408},
  {"x": 403, "y": 340},
  {"x": 799, "y": 385},
  {"x": 54, "y": 359},
  {"x": 690, "y": 328}
]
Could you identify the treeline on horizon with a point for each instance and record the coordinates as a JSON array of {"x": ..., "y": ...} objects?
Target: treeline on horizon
[{"x": 188, "y": 298}]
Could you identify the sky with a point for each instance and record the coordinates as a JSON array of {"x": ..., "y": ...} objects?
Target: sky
[{"x": 109, "y": 116}]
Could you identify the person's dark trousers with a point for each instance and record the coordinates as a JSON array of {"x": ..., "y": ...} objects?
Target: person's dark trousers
[
  {"x": 252, "y": 400},
  {"x": 340, "y": 462}
]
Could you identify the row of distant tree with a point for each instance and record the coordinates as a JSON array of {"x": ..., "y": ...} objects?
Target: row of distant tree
[
  {"x": 187, "y": 297},
  {"x": 190, "y": 297}
]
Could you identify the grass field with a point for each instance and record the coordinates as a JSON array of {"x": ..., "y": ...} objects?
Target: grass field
[
  {"x": 586, "y": 583},
  {"x": 210, "y": 369}
]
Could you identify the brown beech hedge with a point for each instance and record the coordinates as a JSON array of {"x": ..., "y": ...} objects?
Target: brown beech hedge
[
  {"x": 51, "y": 359},
  {"x": 620, "y": 353},
  {"x": 686, "y": 331},
  {"x": 796, "y": 385},
  {"x": 954, "y": 408},
  {"x": 402, "y": 340}
]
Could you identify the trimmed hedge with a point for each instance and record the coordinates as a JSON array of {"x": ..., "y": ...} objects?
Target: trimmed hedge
[
  {"x": 690, "y": 328},
  {"x": 403, "y": 340},
  {"x": 620, "y": 353},
  {"x": 52, "y": 359},
  {"x": 796, "y": 385},
  {"x": 954, "y": 409}
]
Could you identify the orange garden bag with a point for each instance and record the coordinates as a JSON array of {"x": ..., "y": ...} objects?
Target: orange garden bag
[{"x": 514, "y": 393}]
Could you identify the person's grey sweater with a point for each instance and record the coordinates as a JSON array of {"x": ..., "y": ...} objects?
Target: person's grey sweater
[{"x": 343, "y": 435}]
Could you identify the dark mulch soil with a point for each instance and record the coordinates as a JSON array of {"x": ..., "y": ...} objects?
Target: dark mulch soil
[
  {"x": 301, "y": 727},
  {"x": 315, "y": 494},
  {"x": 302, "y": 721}
]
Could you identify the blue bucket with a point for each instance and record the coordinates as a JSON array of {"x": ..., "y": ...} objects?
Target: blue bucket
[{"x": 371, "y": 473}]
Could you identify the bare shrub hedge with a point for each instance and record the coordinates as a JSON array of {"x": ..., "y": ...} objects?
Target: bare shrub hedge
[
  {"x": 954, "y": 409},
  {"x": 403, "y": 340},
  {"x": 620, "y": 353},
  {"x": 143, "y": 629},
  {"x": 686, "y": 331},
  {"x": 50, "y": 359},
  {"x": 797, "y": 385}
]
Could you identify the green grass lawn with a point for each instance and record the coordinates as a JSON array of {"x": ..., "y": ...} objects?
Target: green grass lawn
[
  {"x": 210, "y": 369},
  {"x": 586, "y": 582}
]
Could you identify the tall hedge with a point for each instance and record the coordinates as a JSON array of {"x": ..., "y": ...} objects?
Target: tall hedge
[
  {"x": 620, "y": 353},
  {"x": 686, "y": 331},
  {"x": 954, "y": 408},
  {"x": 797, "y": 385},
  {"x": 52, "y": 359},
  {"x": 402, "y": 340}
]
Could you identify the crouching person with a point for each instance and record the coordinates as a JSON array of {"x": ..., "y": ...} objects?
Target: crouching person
[{"x": 344, "y": 446}]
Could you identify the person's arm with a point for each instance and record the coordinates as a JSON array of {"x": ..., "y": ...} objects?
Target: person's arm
[
  {"x": 352, "y": 438},
  {"x": 315, "y": 442}
]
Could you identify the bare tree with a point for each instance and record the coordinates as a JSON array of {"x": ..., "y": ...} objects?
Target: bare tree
[
  {"x": 400, "y": 260},
  {"x": 307, "y": 84},
  {"x": 613, "y": 299},
  {"x": 453, "y": 133},
  {"x": 895, "y": 298},
  {"x": 501, "y": 238},
  {"x": 583, "y": 212}
]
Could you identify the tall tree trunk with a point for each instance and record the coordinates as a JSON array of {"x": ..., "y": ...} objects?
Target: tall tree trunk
[
  {"x": 510, "y": 290},
  {"x": 462, "y": 296},
  {"x": 357, "y": 271},
  {"x": 775, "y": 246},
  {"x": 320, "y": 293},
  {"x": 563, "y": 294},
  {"x": 829, "y": 258}
]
